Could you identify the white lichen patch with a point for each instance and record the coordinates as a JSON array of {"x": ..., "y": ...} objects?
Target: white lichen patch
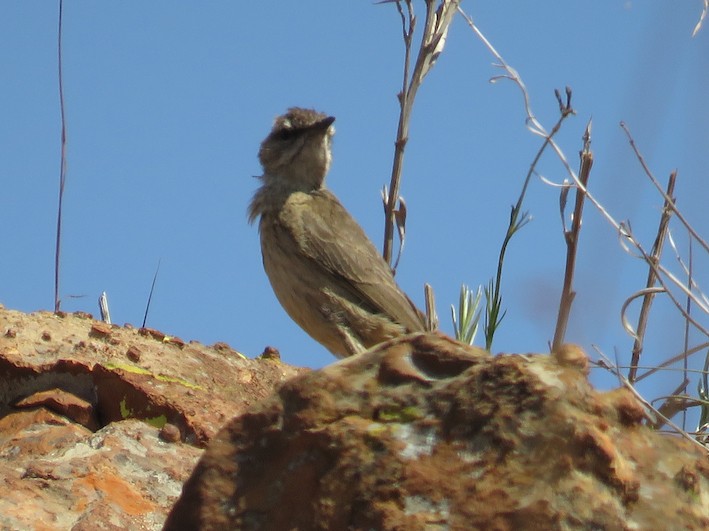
[
  {"x": 417, "y": 441},
  {"x": 414, "y": 505},
  {"x": 547, "y": 376}
]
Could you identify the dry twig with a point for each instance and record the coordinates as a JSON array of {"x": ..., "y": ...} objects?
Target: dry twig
[
  {"x": 572, "y": 239},
  {"x": 517, "y": 217},
  {"x": 665, "y": 196},
  {"x": 660, "y": 278},
  {"x": 685, "y": 354},
  {"x": 649, "y": 294},
  {"x": 606, "y": 364},
  {"x": 663, "y": 276},
  {"x": 435, "y": 30},
  {"x": 62, "y": 168}
]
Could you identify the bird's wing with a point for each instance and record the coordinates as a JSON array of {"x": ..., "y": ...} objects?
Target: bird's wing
[{"x": 333, "y": 240}]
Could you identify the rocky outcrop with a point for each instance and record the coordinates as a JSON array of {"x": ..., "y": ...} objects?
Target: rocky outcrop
[
  {"x": 100, "y": 425},
  {"x": 424, "y": 433}
]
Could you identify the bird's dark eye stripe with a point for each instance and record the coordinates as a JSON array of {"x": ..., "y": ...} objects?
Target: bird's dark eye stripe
[{"x": 288, "y": 132}]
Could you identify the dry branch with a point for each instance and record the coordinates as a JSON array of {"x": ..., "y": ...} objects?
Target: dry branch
[
  {"x": 572, "y": 239},
  {"x": 433, "y": 40},
  {"x": 648, "y": 297}
]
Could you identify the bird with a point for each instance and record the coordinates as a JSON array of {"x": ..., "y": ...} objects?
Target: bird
[{"x": 324, "y": 270}]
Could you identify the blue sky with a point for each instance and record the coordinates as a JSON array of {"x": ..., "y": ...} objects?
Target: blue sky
[{"x": 167, "y": 102}]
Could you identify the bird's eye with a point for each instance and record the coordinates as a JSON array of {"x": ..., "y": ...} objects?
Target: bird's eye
[{"x": 285, "y": 134}]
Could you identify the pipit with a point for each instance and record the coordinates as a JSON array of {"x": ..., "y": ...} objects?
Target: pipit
[{"x": 325, "y": 272}]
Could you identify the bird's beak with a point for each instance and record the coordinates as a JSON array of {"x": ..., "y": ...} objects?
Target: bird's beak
[{"x": 323, "y": 124}]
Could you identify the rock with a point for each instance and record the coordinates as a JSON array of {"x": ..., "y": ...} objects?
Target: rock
[
  {"x": 270, "y": 353},
  {"x": 60, "y": 475},
  {"x": 170, "y": 433},
  {"x": 67, "y": 404},
  {"x": 424, "y": 433},
  {"x": 100, "y": 330},
  {"x": 73, "y": 454},
  {"x": 127, "y": 373},
  {"x": 133, "y": 354}
]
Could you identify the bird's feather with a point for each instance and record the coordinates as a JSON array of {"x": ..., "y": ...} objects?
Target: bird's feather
[{"x": 328, "y": 235}]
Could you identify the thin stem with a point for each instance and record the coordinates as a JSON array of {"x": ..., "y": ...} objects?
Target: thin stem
[
  {"x": 655, "y": 256},
  {"x": 666, "y": 197},
  {"x": 62, "y": 168},
  {"x": 572, "y": 240},
  {"x": 150, "y": 295},
  {"x": 685, "y": 361},
  {"x": 517, "y": 221},
  {"x": 402, "y": 134},
  {"x": 665, "y": 364},
  {"x": 432, "y": 42}
]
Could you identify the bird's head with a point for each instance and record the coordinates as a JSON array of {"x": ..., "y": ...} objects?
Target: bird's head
[{"x": 297, "y": 152}]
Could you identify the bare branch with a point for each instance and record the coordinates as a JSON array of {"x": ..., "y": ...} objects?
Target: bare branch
[
  {"x": 688, "y": 309},
  {"x": 517, "y": 218},
  {"x": 572, "y": 238},
  {"x": 673, "y": 404},
  {"x": 664, "y": 278},
  {"x": 674, "y": 359},
  {"x": 667, "y": 198},
  {"x": 693, "y": 284},
  {"x": 432, "y": 43},
  {"x": 655, "y": 256},
  {"x": 624, "y": 381},
  {"x": 655, "y": 368}
]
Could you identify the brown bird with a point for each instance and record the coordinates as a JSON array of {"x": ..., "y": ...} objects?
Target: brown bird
[{"x": 324, "y": 270}]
